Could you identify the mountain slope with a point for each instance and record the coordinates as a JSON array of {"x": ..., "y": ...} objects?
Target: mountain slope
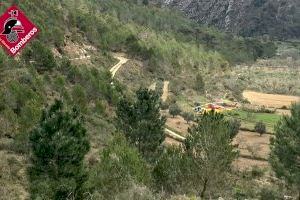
[
  {"x": 71, "y": 57},
  {"x": 279, "y": 18}
]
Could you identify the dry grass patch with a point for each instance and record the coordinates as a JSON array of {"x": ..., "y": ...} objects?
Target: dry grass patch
[{"x": 269, "y": 100}]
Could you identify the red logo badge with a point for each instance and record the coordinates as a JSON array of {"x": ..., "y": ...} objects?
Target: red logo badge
[{"x": 15, "y": 30}]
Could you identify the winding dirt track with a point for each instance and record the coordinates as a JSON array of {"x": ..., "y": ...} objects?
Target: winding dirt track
[
  {"x": 269, "y": 100},
  {"x": 122, "y": 61},
  {"x": 114, "y": 70}
]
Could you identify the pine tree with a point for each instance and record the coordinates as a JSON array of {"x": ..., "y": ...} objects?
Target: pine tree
[
  {"x": 209, "y": 148},
  {"x": 58, "y": 146},
  {"x": 141, "y": 121},
  {"x": 285, "y": 146}
]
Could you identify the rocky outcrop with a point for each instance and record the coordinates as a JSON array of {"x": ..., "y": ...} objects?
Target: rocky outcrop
[{"x": 246, "y": 17}]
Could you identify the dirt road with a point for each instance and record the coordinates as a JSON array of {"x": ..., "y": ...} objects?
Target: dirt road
[
  {"x": 122, "y": 61},
  {"x": 269, "y": 100},
  {"x": 165, "y": 94}
]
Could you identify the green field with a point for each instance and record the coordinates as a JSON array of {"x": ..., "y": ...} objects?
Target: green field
[{"x": 249, "y": 119}]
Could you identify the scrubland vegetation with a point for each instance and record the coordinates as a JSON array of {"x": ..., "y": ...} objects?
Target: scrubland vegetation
[{"x": 70, "y": 131}]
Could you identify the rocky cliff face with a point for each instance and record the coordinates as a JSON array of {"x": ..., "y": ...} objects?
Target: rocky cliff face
[{"x": 246, "y": 17}]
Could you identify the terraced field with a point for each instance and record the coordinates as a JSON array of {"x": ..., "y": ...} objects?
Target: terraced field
[{"x": 269, "y": 100}]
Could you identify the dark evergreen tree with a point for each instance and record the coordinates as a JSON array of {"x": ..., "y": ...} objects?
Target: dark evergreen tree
[
  {"x": 211, "y": 153},
  {"x": 58, "y": 146},
  {"x": 141, "y": 121},
  {"x": 285, "y": 148}
]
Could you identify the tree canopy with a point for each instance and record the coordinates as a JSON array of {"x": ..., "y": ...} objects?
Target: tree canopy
[
  {"x": 285, "y": 146},
  {"x": 210, "y": 150},
  {"x": 141, "y": 121},
  {"x": 58, "y": 146}
]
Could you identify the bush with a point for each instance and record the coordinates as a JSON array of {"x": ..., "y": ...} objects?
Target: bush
[
  {"x": 169, "y": 171},
  {"x": 100, "y": 107},
  {"x": 199, "y": 84},
  {"x": 284, "y": 107},
  {"x": 137, "y": 192},
  {"x": 260, "y": 127},
  {"x": 263, "y": 109},
  {"x": 79, "y": 97},
  {"x": 171, "y": 99},
  {"x": 268, "y": 193},
  {"x": 40, "y": 56},
  {"x": 234, "y": 125},
  {"x": 257, "y": 109},
  {"x": 164, "y": 105},
  {"x": 16, "y": 95},
  {"x": 257, "y": 172},
  {"x": 188, "y": 116},
  {"x": 174, "y": 110},
  {"x": 119, "y": 169},
  {"x": 7, "y": 123}
]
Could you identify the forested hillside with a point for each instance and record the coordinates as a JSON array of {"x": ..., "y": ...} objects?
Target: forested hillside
[{"x": 69, "y": 130}]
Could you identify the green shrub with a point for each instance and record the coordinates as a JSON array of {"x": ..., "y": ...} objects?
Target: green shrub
[
  {"x": 284, "y": 107},
  {"x": 188, "y": 116},
  {"x": 164, "y": 105},
  {"x": 260, "y": 128},
  {"x": 257, "y": 172},
  {"x": 174, "y": 110},
  {"x": 234, "y": 125},
  {"x": 40, "y": 56},
  {"x": 100, "y": 107},
  {"x": 171, "y": 99},
  {"x": 119, "y": 169},
  {"x": 60, "y": 82},
  {"x": 269, "y": 193},
  {"x": 137, "y": 192},
  {"x": 16, "y": 95},
  {"x": 8, "y": 124},
  {"x": 169, "y": 171},
  {"x": 199, "y": 84},
  {"x": 79, "y": 97}
]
